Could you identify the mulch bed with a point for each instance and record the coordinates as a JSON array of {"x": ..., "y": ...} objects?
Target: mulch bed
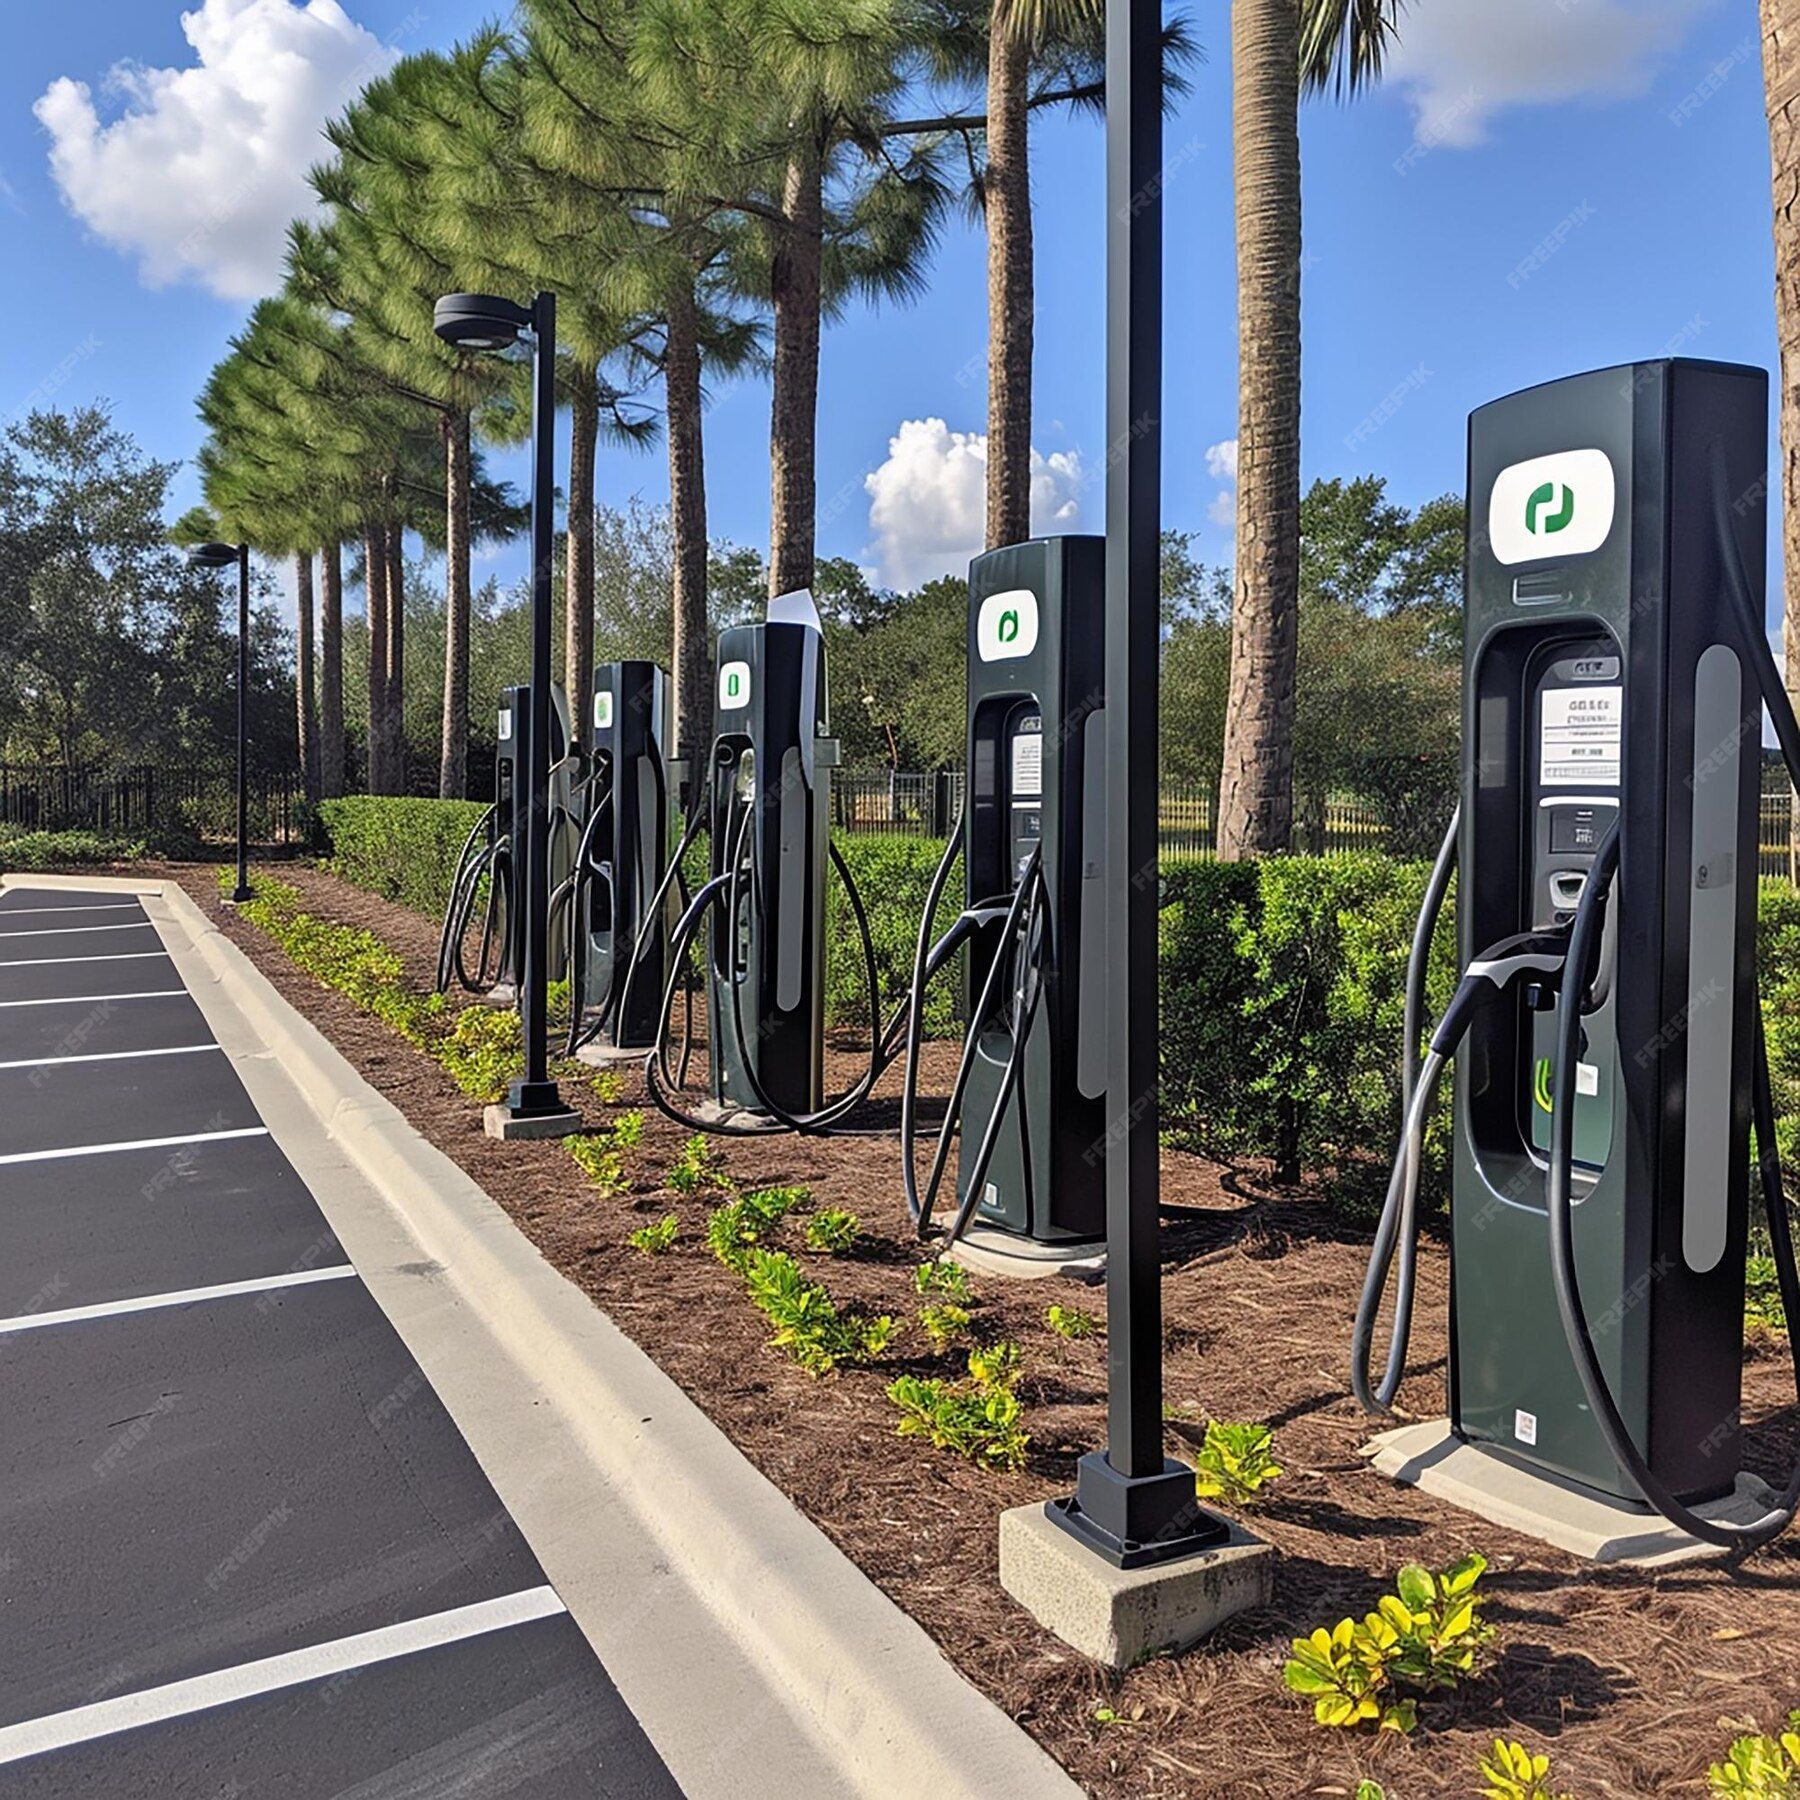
[{"x": 1632, "y": 1682}]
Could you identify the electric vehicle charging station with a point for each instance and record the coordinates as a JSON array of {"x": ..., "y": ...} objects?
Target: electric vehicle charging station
[
  {"x": 1031, "y": 1090},
  {"x": 1606, "y": 1032},
  {"x": 617, "y": 911},
  {"x": 489, "y": 852}
]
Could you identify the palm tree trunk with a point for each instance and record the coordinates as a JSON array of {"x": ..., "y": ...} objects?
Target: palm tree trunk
[
  {"x": 306, "y": 734},
  {"x": 375, "y": 607},
  {"x": 1007, "y": 198},
  {"x": 797, "y": 284},
  {"x": 1256, "y": 792},
  {"x": 691, "y": 652},
  {"x": 453, "y": 756},
  {"x": 394, "y": 755},
  {"x": 578, "y": 564},
  {"x": 331, "y": 671},
  {"x": 1781, "y": 89}
]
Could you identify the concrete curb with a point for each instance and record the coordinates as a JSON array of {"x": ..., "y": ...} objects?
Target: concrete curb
[{"x": 876, "y": 1694}]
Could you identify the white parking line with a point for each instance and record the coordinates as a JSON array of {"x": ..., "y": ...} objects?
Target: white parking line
[
  {"x": 23, "y": 912},
  {"x": 99, "y": 999},
  {"x": 199, "y": 1693},
  {"x": 226, "y": 1290},
  {"x": 70, "y": 930},
  {"x": 168, "y": 1143},
  {"x": 55, "y": 1062},
  {"x": 46, "y": 962}
]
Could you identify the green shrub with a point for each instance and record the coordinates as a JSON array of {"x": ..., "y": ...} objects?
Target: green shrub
[
  {"x": 1426, "y": 1636},
  {"x": 736, "y": 1229},
  {"x": 25, "y": 852},
  {"x": 398, "y": 847},
  {"x": 601, "y": 1154},
  {"x": 1283, "y": 992},
  {"x": 979, "y": 1418},
  {"x": 1511, "y": 1772},
  {"x": 946, "y": 1278},
  {"x": 831, "y": 1233},
  {"x": 944, "y": 1323},
  {"x": 657, "y": 1239},
  {"x": 698, "y": 1167},
  {"x": 1070, "y": 1322},
  {"x": 1236, "y": 1462},
  {"x": 1760, "y": 1768},
  {"x": 893, "y": 875},
  {"x": 808, "y": 1324},
  {"x": 484, "y": 1051}
]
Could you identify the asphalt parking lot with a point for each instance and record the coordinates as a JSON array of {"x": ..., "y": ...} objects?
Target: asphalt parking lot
[{"x": 244, "y": 1549}]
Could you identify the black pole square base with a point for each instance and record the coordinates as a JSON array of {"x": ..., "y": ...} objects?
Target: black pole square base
[
  {"x": 534, "y": 1099},
  {"x": 1135, "y": 1522}
]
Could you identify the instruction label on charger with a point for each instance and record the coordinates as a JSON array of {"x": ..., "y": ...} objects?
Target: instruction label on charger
[
  {"x": 1582, "y": 731},
  {"x": 1028, "y": 765}
]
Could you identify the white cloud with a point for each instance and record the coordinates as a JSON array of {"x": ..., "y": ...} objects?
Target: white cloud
[
  {"x": 203, "y": 167},
  {"x": 1463, "y": 61},
  {"x": 928, "y": 501},
  {"x": 1222, "y": 465}
]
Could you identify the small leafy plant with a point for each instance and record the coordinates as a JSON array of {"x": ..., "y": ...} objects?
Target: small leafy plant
[
  {"x": 1426, "y": 1636},
  {"x": 1759, "y": 1767},
  {"x": 655, "y": 1240},
  {"x": 1071, "y": 1322},
  {"x": 738, "y": 1227},
  {"x": 1512, "y": 1772},
  {"x": 944, "y": 1323},
  {"x": 808, "y": 1324},
  {"x": 608, "y": 1086},
  {"x": 698, "y": 1169},
  {"x": 979, "y": 1418},
  {"x": 1236, "y": 1462},
  {"x": 832, "y": 1232},
  {"x": 946, "y": 1278},
  {"x": 601, "y": 1154}
]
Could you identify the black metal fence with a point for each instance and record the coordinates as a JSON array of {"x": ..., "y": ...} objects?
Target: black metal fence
[{"x": 160, "y": 805}]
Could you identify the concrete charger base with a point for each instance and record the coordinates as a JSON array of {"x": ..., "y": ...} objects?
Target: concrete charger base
[
  {"x": 983, "y": 1250},
  {"x": 1119, "y": 1617},
  {"x": 602, "y": 1055},
  {"x": 1430, "y": 1457}
]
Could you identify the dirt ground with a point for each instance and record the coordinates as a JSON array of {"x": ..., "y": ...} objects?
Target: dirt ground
[{"x": 1632, "y": 1682}]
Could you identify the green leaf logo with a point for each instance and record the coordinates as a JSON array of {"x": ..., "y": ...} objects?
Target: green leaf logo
[
  {"x": 1544, "y": 496},
  {"x": 733, "y": 685},
  {"x": 1009, "y": 626}
]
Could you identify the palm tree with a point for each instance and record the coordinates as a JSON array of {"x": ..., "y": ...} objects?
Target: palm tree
[
  {"x": 1781, "y": 89},
  {"x": 1277, "y": 47},
  {"x": 631, "y": 213}
]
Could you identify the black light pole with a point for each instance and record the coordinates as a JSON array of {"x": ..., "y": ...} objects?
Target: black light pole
[
  {"x": 490, "y": 322},
  {"x": 222, "y": 556},
  {"x": 1132, "y": 1505}
]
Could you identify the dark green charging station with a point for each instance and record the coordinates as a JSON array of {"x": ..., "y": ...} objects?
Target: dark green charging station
[
  {"x": 772, "y": 758},
  {"x": 622, "y": 860},
  {"x": 1603, "y": 683},
  {"x": 1034, "y": 810}
]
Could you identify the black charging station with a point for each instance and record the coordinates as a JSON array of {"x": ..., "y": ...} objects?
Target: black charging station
[
  {"x": 618, "y": 941},
  {"x": 1034, "y": 811},
  {"x": 1603, "y": 682},
  {"x": 770, "y": 821}
]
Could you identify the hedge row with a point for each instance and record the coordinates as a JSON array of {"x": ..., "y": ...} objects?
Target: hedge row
[
  {"x": 1283, "y": 981},
  {"x": 24, "y": 851},
  {"x": 402, "y": 849}
]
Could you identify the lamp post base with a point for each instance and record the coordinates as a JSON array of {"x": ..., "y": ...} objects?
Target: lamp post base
[
  {"x": 242, "y": 892},
  {"x": 1135, "y": 1521},
  {"x": 531, "y": 1109}
]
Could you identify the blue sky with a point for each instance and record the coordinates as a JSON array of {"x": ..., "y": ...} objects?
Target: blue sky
[{"x": 1542, "y": 186}]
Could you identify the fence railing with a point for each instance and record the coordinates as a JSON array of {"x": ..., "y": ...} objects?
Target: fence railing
[
  {"x": 148, "y": 801},
  {"x": 926, "y": 805}
]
